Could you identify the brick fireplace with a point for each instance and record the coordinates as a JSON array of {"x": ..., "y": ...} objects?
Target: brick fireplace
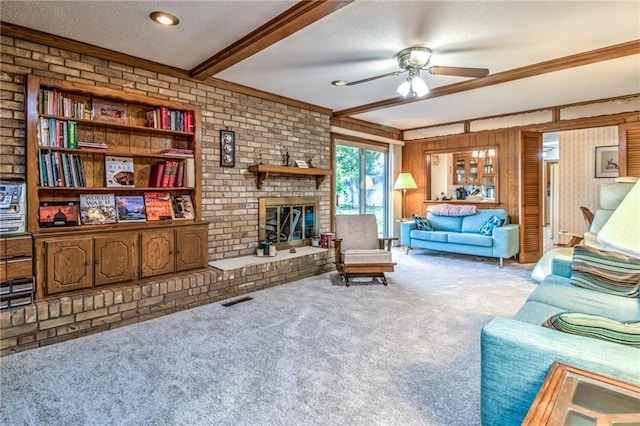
[{"x": 288, "y": 221}]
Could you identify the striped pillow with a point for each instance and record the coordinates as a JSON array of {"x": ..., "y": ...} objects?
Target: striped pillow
[
  {"x": 606, "y": 271},
  {"x": 597, "y": 327}
]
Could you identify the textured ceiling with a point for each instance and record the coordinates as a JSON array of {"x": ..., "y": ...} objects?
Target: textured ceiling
[{"x": 361, "y": 39}]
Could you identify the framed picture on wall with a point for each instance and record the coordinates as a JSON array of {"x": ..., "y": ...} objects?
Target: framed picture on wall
[{"x": 607, "y": 162}]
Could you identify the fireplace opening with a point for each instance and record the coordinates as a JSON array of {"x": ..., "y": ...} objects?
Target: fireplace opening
[{"x": 288, "y": 221}]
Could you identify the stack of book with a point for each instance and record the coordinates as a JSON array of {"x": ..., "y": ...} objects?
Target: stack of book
[{"x": 92, "y": 145}]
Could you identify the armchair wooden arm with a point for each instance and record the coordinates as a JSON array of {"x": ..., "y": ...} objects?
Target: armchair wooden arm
[
  {"x": 575, "y": 238},
  {"x": 381, "y": 241}
]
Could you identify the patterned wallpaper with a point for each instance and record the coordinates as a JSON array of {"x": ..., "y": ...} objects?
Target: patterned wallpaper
[{"x": 576, "y": 170}]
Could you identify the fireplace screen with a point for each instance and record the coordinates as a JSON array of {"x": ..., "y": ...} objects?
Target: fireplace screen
[{"x": 288, "y": 221}]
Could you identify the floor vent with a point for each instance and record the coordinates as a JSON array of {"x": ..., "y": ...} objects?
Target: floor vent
[{"x": 235, "y": 302}]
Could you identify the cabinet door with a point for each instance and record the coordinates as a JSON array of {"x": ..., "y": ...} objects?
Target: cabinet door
[
  {"x": 69, "y": 264},
  {"x": 157, "y": 253},
  {"x": 474, "y": 171},
  {"x": 115, "y": 258},
  {"x": 191, "y": 248},
  {"x": 460, "y": 174}
]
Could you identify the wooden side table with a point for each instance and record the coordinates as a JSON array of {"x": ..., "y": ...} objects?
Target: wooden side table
[{"x": 572, "y": 396}]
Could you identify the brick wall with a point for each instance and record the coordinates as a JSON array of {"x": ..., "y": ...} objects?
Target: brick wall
[
  {"x": 230, "y": 197},
  {"x": 62, "y": 318}
]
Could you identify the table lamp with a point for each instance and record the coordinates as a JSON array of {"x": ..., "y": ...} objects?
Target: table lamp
[{"x": 405, "y": 181}]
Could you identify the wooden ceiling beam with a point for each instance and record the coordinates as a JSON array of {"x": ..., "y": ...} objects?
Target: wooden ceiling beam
[
  {"x": 577, "y": 60},
  {"x": 294, "y": 19}
]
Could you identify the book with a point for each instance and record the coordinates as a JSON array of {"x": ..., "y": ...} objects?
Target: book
[
  {"x": 179, "y": 175},
  {"x": 156, "y": 175},
  {"x": 130, "y": 208},
  {"x": 182, "y": 207},
  {"x": 118, "y": 171},
  {"x": 189, "y": 173},
  {"x": 158, "y": 206},
  {"x": 58, "y": 213},
  {"x": 97, "y": 209}
]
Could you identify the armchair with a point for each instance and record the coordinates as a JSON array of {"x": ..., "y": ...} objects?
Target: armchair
[{"x": 359, "y": 250}]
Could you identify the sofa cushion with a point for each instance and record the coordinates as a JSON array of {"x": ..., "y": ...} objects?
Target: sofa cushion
[
  {"x": 422, "y": 223},
  {"x": 596, "y": 326},
  {"x": 445, "y": 223},
  {"x": 606, "y": 271},
  {"x": 470, "y": 239},
  {"x": 558, "y": 291},
  {"x": 487, "y": 227},
  {"x": 473, "y": 223},
  {"x": 354, "y": 256},
  {"x": 435, "y": 236}
]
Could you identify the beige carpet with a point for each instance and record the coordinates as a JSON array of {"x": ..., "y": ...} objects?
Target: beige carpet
[{"x": 312, "y": 352}]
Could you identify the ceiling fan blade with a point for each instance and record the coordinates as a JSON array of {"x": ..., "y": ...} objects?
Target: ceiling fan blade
[
  {"x": 364, "y": 80},
  {"x": 459, "y": 71}
]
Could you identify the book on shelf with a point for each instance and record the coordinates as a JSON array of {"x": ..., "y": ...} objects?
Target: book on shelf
[
  {"x": 178, "y": 152},
  {"x": 58, "y": 213},
  {"x": 156, "y": 174},
  {"x": 182, "y": 207},
  {"x": 60, "y": 169},
  {"x": 97, "y": 209},
  {"x": 118, "y": 171},
  {"x": 189, "y": 180},
  {"x": 130, "y": 208},
  {"x": 92, "y": 145},
  {"x": 158, "y": 206},
  {"x": 168, "y": 119}
]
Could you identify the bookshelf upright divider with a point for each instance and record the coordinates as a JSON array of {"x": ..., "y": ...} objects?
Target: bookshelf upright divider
[{"x": 87, "y": 144}]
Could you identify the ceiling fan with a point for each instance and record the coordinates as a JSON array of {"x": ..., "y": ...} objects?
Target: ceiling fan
[{"x": 413, "y": 60}]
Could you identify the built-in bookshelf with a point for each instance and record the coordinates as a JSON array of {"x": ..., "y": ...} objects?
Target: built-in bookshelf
[{"x": 92, "y": 143}]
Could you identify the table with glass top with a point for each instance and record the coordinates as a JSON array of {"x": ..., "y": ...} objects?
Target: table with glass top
[{"x": 571, "y": 396}]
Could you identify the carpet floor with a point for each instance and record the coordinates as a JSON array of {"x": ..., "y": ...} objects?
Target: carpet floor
[{"x": 311, "y": 352}]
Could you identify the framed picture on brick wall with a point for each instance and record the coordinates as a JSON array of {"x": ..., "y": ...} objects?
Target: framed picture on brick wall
[{"x": 227, "y": 148}]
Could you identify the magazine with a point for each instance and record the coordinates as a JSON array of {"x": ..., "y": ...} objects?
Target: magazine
[
  {"x": 97, "y": 209},
  {"x": 182, "y": 207},
  {"x": 130, "y": 208},
  {"x": 118, "y": 171},
  {"x": 58, "y": 213},
  {"x": 158, "y": 206}
]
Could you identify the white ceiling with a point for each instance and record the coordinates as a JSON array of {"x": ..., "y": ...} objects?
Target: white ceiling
[{"x": 361, "y": 39}]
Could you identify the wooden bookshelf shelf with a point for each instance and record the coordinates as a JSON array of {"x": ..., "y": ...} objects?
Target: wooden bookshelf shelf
[{"x": 262, "y": 172}]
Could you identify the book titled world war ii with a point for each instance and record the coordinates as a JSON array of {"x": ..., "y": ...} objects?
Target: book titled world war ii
[
  {"x": 97, "y": 209},
  {"x": 130, "y": 208},
  {"x": 158, "y": 206},
  {"x": 119, "y": 171}
]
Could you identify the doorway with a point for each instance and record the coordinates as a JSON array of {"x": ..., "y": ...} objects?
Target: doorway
[{"x": 362, "y": 181}]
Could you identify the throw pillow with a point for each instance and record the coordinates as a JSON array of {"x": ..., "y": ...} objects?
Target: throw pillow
[
  {"x": 487, "y": 227},
  {"x": 596, "y": 326},
  {"x": 422, "y": 223},
  {"x": 606, "y": 271}
]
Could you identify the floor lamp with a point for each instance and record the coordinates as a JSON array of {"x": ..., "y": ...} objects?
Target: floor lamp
[{"x": 405, "y": 181}]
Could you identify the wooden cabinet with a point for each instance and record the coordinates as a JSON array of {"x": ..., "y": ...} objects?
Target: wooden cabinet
[
  {"x": 16, "y": 271},
  {"x": 115, "y": 258},
  {"x": 191, "y": 249},
  {"x": 157, "y": 250},
  {"x": 70, "y": 263},
  {"x": 72, "y": 133},
  {"x": 466, "y": 170}
]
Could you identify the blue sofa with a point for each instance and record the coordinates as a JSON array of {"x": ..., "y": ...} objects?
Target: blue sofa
[
  {"x": 461, "y": 234},
  {"x": 518, "y": 352}
]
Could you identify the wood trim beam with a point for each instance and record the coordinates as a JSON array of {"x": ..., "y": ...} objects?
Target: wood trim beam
[
  {"x": 290, "y": 21},
  {"x": 553, "y": 65}
]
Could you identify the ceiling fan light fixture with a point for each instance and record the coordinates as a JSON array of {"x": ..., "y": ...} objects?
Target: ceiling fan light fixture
[
  {"x": 419, "y": 58},
  {"x": 404, "y": 88},
  {"x": 339, "y": 82},
  {"x": 418, "y": 86}
]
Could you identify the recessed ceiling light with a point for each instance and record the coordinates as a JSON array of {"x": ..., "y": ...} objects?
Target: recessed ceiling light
[{"x": 164, "y": 18}]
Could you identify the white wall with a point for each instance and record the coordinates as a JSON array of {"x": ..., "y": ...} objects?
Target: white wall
[{"x": 577, "y": 183}]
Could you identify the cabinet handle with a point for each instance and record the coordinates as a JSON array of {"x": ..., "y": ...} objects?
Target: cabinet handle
[
  {"x": 97, "y": 261},
  {"x": 170, "y": 252},
  {"x": 87, "y": 263}
]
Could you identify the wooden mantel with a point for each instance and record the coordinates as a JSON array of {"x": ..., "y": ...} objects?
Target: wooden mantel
[{"x": 262, "y": 172}]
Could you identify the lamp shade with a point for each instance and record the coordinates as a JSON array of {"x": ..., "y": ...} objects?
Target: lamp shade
[
  {"x": 621, "y": 233},
  {"x": 405, "y": 181}
]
